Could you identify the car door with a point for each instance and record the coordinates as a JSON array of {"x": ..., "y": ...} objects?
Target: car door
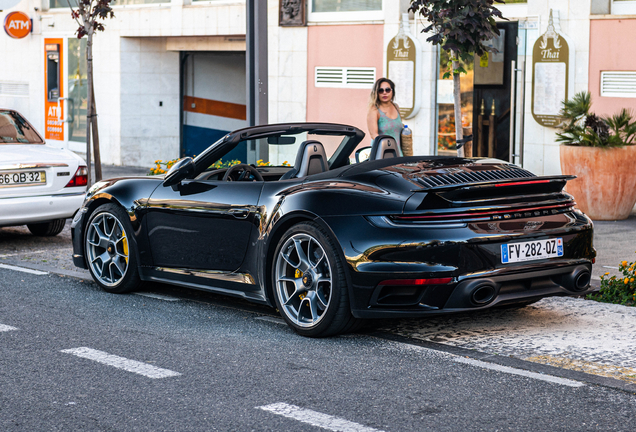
[{"x": 202, "y": 224}]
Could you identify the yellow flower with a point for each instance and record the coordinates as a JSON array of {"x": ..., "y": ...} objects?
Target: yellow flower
[
  {"x": 631, "y": 279},
  {"x": 624, "y": 263},
  {"x": 626, "y": 281},
  {"x": 606, "y": 273}
]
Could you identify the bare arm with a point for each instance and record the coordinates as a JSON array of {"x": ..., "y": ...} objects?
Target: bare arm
[{"x": 372, "y": 122}]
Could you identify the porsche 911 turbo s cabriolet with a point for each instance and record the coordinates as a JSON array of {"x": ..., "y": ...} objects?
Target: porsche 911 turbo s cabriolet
[{"x": 329, "y": 242}]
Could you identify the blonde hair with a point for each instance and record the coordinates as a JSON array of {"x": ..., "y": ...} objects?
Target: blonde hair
[{"x": 373, "y": 98}]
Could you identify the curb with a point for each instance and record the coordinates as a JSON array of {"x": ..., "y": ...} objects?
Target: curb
[{"x": 601, "y": 381}]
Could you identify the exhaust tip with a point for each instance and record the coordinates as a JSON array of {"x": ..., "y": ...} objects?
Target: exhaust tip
[
  {"x": 582, "y": 280},
  {"x": 483, "y": 294}
]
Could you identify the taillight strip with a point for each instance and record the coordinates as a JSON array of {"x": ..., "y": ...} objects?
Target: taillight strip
[
  {"x": 480, "y": 214},
  {"x": 411, "y": 282}
]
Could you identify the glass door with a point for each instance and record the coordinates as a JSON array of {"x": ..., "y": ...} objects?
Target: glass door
[
  {"x": 445, "y": 108},
  {"x": 77, "y": 94}
]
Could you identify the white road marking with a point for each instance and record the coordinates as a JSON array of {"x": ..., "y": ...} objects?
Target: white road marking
[
  {"x": 4, "y": 328},
  {"x": 315, "y": 418},
  {"x": 272, "y": 320},
  {"x": 610, "y": 267},
  {"x": 156, "y": 296},
  {"x": 22, "y": 269},
  {"x": 521, "y": 372},
  {"x": 121, "y": 363}
]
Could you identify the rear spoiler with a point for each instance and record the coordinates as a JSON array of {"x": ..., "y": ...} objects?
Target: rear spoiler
[{"x": 490, "y": 184}]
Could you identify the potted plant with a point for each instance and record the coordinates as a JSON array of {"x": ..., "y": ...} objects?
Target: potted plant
[{"x": 601, "y": 153}]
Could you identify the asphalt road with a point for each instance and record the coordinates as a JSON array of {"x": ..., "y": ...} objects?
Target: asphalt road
[{"x": 196, "y": 364}]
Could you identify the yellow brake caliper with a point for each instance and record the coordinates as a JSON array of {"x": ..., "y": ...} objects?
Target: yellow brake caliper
[
  {"x": 124, "y": 241},
  {"x": 298, "y": 274}
]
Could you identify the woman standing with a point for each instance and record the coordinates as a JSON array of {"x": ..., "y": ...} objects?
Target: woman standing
[{"x": 383, "y": 117}]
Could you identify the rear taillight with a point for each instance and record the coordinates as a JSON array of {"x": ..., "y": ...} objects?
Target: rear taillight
[{"x": 80, "y": 178}]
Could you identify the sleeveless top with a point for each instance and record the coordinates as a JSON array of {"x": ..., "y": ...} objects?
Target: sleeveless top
[{"x": 389, "y": 126}]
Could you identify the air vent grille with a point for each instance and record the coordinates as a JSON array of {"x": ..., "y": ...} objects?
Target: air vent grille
[
  {"x": 618, "y": 84},
  {"x": 466, "y": 177},
  {"x": 14, "y": 88},
  {"x": 353, "y": 77}
]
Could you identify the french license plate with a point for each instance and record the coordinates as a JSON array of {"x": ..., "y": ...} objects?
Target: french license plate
[
  {"x": 532, "y": 250},
  {"x": 22, "y": 178}
]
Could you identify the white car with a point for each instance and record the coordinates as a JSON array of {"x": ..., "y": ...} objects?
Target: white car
[{"x": 40, "y": 185}]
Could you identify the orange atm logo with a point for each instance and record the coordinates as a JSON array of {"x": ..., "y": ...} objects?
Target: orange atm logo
[
  {"x": 53, "y": 89},
  {"x": 17, "y": 25}
]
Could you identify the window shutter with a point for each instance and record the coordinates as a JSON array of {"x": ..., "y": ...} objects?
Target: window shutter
[
  {"x": 342, "y": 77},
  {"x": 618, "y": 84}
]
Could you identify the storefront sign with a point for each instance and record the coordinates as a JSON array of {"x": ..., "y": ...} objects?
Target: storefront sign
[
  {"x": 402, "y": 57},
  {"x": 54, "y": 90},
  {"x": 17, "y": 25},
  {"x": 550, "y": 78}
]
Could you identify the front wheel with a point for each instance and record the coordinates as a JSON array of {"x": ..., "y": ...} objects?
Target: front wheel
[
  {"x": 309, "y": 282},
  {"x": 110, "y": 252}
]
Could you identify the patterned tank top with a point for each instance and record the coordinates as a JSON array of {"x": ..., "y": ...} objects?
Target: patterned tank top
[{"x": 389, "y": 126}]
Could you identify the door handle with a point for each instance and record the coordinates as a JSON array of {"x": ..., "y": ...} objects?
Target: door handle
[{"x": 240, "y": 213}]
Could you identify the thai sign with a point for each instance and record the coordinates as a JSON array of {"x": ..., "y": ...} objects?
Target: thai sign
[
  {"x": 551, "y": 70},
  {"x": 17, "y": 25},
  {"x": 402, "y": 65}
]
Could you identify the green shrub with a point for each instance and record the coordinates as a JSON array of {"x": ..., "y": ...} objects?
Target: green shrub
[{"x": 619, "y": 290}]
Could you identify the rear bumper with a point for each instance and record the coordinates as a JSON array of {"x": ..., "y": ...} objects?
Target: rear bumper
[
  {"x": 481, "y": 291},
  {"x": 35, "y": 209}
]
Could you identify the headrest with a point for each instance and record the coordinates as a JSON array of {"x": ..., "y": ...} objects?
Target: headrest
[{"x": 383, "y": 147}]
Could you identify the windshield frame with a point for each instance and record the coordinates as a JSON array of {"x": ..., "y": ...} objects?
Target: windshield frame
[{"x": 352, "y": 137}]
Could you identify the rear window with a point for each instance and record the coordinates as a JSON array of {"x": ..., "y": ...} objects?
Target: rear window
[{"x": 14, "y": 129}]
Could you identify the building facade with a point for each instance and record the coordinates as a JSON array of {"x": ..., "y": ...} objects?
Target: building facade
[{"x": 170, "y": 76}]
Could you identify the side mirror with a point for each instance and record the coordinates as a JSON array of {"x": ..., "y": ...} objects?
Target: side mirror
[
  {"x": 179, "y": 171},
  {"x": 363, "y": 154}
]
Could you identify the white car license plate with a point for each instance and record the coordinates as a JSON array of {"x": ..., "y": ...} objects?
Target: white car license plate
[
  {"x": 22, "y": 178},
  {"x": 532, "y": 250}
]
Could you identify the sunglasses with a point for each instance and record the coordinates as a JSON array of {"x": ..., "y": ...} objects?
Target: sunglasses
[{"x": 384, "y": 90}]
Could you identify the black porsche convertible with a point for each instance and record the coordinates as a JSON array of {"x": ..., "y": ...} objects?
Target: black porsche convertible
[{"x": 331, "y": 241}]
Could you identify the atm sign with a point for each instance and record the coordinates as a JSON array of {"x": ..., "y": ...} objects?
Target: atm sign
[{"x": 17, "y": 25}]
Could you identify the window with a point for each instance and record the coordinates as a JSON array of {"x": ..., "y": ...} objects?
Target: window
[
  {"x": 345, "y": 10},
  {"x": 623, "y": 7},
  {"x": 64, "y": 3}
]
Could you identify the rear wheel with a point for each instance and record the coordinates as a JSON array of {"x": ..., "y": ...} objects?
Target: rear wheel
[
  {"x": 309, "y": 282},
  {"x": 47, "y": 229},
  {"x": 110, "y": 252}
]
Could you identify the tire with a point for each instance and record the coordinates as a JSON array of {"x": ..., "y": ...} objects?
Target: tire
[
  {"x": 111, "y": 252},
  {"x": 47, "y": 229},
  {"x": 310, "y": 288}
]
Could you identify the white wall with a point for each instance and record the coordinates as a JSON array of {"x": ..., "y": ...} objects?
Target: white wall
[
  {"x": 541, "y": 151},
  {"x": 133, "y": 71}
]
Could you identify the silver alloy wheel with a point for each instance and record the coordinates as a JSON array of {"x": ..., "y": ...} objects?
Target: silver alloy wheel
[
  {"x": 303, "y": 280},
  {"x": 107, "y": 249}
]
